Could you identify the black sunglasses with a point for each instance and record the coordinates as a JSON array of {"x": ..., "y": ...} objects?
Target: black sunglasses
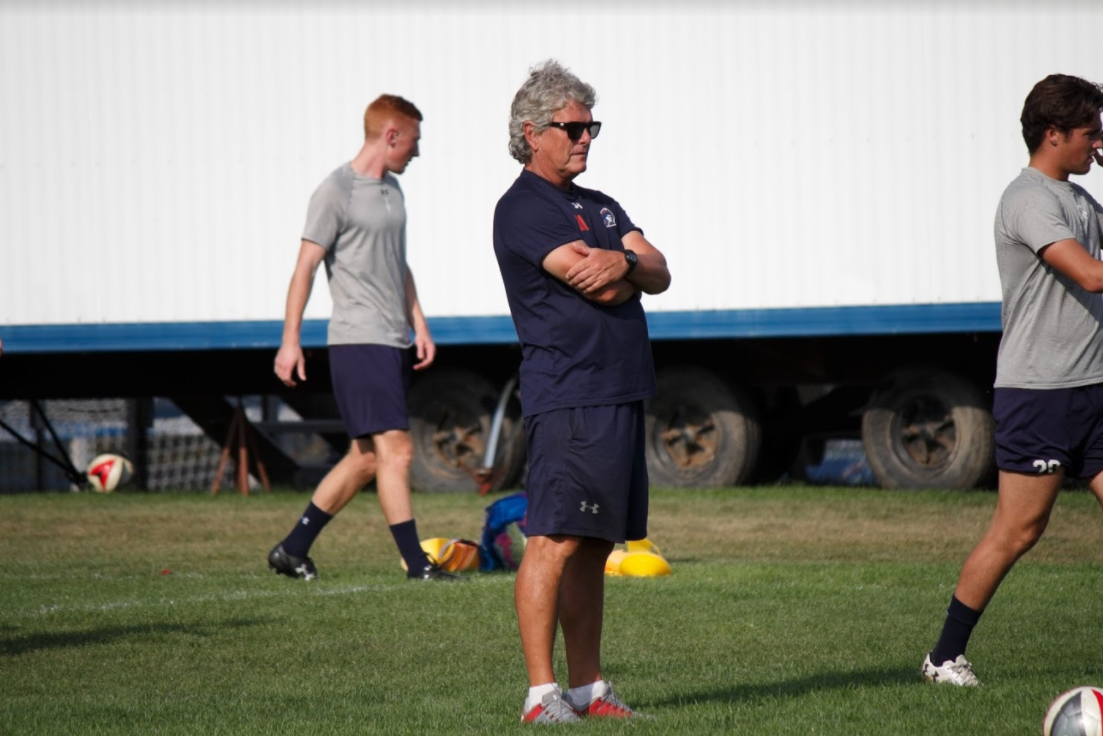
[{"x": 574, "y": 130}]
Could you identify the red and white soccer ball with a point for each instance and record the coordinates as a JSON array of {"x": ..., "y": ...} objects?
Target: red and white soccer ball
[
  {"x": 109, "y": 471},
  {"x": 1078, "y": 712}
]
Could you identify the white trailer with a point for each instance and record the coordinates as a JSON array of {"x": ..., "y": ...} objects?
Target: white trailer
[{"x": 821, "y": 176}]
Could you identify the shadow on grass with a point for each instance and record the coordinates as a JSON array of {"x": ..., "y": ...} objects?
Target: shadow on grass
[
  {"x": 803, "y": 686},
  {"x": 14, "y": 645}
]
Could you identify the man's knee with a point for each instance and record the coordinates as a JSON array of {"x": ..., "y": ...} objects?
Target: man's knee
[
  {"x": 362, "y": 459},
  {"x": 555, "y": 547},
  {"x": 365, "y": 467},
  {"x": 1018, "y": 539},
  {"x": 394, "y": 449},
  {"x": 1025, "y": 538}
]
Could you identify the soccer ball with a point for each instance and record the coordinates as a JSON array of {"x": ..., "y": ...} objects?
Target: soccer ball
[
  {"x": 1078, "y": 712},
  {"x": 510, "y": 546},
  {"x": 109, "y": 471}
]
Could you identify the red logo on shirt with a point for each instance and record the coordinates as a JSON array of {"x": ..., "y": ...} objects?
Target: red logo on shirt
[{"x": 582, "y": 223}]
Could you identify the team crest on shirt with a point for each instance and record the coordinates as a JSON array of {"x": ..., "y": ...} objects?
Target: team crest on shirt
[{"x": 608, "y": 218}]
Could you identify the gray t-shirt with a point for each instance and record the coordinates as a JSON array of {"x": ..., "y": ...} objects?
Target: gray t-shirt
[
  {"x": 1052, "y": 328},
  {"x": 361, "y": 222}
]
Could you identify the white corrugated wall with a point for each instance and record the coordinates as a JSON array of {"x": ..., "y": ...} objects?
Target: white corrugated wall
[{"x": 156, "y": 158}]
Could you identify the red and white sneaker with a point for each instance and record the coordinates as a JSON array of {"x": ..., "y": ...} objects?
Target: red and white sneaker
[
  {"x": 609, "y": 706},
  {"x": 552, "y": 709}
]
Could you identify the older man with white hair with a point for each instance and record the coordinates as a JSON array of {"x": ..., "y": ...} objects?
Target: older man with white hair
[{"x": 574, "y": 266}]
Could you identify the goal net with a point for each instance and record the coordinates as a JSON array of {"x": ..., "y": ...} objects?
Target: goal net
[{"x": 179, "y": 456}]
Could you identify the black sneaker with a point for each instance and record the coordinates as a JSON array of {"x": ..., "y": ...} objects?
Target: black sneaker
[
  {"x": 433, "y": 572},
  {"x": 292, "y": 567}
]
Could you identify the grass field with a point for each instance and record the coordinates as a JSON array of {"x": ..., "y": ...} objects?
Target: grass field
[{"x": 790, "y": 610}]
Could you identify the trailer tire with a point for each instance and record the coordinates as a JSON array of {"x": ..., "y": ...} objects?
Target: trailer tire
[
  {"x": 701, "y": 432},
  {"x": 926, "y": 428},
  {"x": 450, "y": 414}
]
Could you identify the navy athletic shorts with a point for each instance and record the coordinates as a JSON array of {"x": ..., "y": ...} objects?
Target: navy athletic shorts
[
  {"x": 587, "y": 472},
  {"x": 370, "y": 383},
  {"x": 1045, "y": 430}
]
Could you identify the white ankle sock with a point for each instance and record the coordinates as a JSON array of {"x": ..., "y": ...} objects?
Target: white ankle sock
[
  {"x": 581, "y": 697},
  {"x": 536, "y": 694}
]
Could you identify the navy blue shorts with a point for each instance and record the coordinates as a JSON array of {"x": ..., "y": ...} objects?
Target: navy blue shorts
[
  {"x": 587, "y": 472},
  {"x": 370, "y": 383},
  {"x": 1045, "y": 430}
]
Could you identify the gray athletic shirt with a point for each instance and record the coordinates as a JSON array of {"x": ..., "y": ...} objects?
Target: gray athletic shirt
[
  {"x": 1052, "y": 328},
  {"x": 361, "y": 222}
]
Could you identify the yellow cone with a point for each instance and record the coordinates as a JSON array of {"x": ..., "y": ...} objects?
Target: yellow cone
[
  {"x": 643, "y": 564},
  {"x": 459, "y": 555},
  {"x": 643, "y": 545},
  {"x": 612, "y": 565},
  {"x": 432, "y": 548}
]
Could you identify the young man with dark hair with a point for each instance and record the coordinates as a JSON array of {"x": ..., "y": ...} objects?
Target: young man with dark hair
[{"x": 1049, "y": 374}]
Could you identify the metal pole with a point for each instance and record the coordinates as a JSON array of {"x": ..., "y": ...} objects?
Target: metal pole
[
  {"x": 496, "y": 423},
  {"x": 139, "y": 418}
]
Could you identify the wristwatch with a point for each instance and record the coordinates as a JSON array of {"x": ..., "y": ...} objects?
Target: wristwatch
[{"x": 633, "y": 261}]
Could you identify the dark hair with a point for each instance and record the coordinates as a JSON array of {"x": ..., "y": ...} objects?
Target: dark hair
[{"x": 1062, "y": 102}]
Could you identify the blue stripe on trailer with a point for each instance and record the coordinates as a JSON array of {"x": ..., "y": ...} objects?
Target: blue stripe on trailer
[
  {"x": 904, "y": 319},
  {"x": 491, "y": 330}
]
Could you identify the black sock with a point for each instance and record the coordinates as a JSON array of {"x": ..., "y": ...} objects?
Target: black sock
[
  {"x": 310, "y": 525},
  {"x": 409, "y": 546},
  {"x": 960, "y": 620}
]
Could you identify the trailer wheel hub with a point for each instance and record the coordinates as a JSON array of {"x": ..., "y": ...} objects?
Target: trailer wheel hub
[
  {"x": 690, "y": 440},
  {"x": 927, "y": 433}
]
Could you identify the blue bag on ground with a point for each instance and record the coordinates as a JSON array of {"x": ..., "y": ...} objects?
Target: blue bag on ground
[{"x": 503, "y": 540}]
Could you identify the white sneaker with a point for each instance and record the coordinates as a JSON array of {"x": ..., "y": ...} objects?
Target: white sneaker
[{"x": 957, "y": 672}]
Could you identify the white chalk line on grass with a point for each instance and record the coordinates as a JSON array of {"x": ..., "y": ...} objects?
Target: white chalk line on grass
[
  {"x": 225, "y": 597},
  {"x": 234, "y": 595}
]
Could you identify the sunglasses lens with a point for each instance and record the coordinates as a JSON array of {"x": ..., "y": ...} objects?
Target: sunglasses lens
[{"x": 575, "y": 130}]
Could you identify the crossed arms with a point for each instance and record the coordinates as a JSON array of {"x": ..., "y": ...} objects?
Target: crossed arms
[{"x": 602, "y": 275}]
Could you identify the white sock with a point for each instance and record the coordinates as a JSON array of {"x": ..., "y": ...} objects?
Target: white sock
[
  {"x": 581, "y": 697},
  {"x": 536, "y": 694}
]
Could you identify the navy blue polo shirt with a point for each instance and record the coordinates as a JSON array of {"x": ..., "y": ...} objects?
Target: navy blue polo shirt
[{"x": 575, "y": 352}]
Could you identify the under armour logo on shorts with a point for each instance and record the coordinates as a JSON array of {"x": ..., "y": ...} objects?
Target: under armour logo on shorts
[{"x": 591, "y": 507}]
